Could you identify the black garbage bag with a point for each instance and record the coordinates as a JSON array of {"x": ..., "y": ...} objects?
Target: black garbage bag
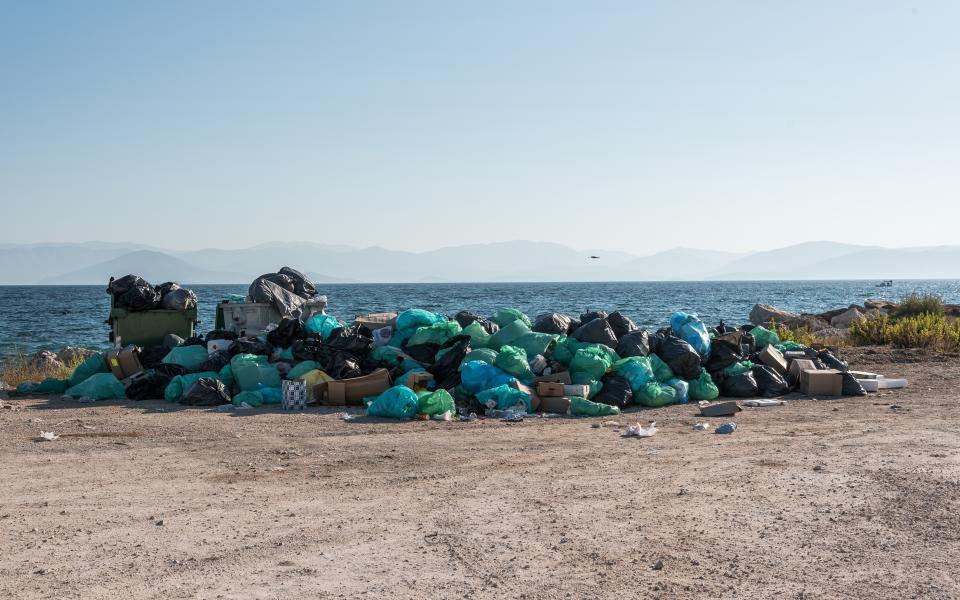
[
  {"x": 221, "y": 334},
  {"x": 722, "y": 354},
  {"x": 178, "y": 299},
  {"x": 682, "y": 359},
  {"x": 216, "y": 361},
  {"x": 151, "y": 356},
  {"x": 446, "y": 370},
  {"x": 266, "y": 289},
  {"x": 553, "y": 323},
  {"x": 313, "y": 348},
  {"x": 287, "y": 332},
  {"x": 139, "y": 298},
  {"x": 852, "y": 387},
  {"x": 194, "y": 341},
  {"x": 743, "y": 385},
  {"x": 621, "y": 324},
  {"x": 828, "y": 358},
  {"x": 206, "y": 391},
  {"x": 723, "y": 328},
  {"x": 344, "y": 366},
  {"x": 119, "y": 287},
  {"x": 596, "y": 331},
  {"x": 152, "y": 386},
  {"x": 590, "y": 315},
  {"x": 635, "y": 343},
  {"x": 616, "y": 391},
  {"x": 302, "y": 285},
  {"x": 424, "y": 354},
  {"x": 250, "y": 346},
  {"x": 355, "y": 339},
  {"x": 769, "y": 382},
  {"x": 465, "y": 317}
]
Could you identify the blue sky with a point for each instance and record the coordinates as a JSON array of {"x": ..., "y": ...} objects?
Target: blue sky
[{"x": 414, "y": 125}]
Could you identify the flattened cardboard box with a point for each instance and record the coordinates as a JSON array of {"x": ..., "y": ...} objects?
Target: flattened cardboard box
[
  {"x": 821, "y": 382},
  {"x": 561, "y": 377},
  {"x": 550, "y": 388},
  {"x": 351, "y": 392},
  {"x": 554, "y": 404},
  {"x": 772, "y": 357}
]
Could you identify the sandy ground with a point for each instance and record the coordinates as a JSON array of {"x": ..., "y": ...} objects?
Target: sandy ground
[{"x": 819, "y": 499}]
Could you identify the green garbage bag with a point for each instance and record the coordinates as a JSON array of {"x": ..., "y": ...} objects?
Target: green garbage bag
[
  {"x": 304, "y": 367},
  {"x": 585, "y": 379},
  {"x": 252, "y": 372},
  {"x": 482, "y": 354},
  {"x": 387, "y": 354},
  {"x": 764, "y": 337},
  {"x": 248, "y": 398},
  {"x": 181, "y": 383},
  {"x": 286, "y": 354},
  {"x": 637, "y": 370},
  {"x": 51, "y": 385},
  {"x": 655, "y": 394},
  {"x": 190, "y": 358},
  {"x": 592, "y": 360},
  {"x": 582, "y": 407},
  {"x": 226, "y": 376},
  {"x": 738, "y": 368},
  {"x": 26, "y": 387},
  {"x": 789, "y": 345},
  {"x": 398, "y": 402},
  {"x": 322, "y": 324},
  {"x": 534, "y": 343},
  {"x": 703, "y": 388},
  {"x": 435, "y": 403},
  {"x": 505, "y": 397},
  {"x": 514, "y": 361},
  {"x": 438, "y": 333},
  {"x": 400, "y": 337},
  {"x": 661, "y": 370},
  {"x": 563, "y": 351},
  {"x": 93, "y": 364},
  {"x": 416, "y": 317},
  {"x": 479, "y": 338},
  {"x": 408, "y": 364},
  {"x": 505, "y": 316},
  {"x": 508, "y": 334},
  {"x": 100, "y": 386}
]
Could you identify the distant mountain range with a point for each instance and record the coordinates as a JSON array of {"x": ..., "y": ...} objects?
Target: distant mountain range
[{"x": 96, "y": 262}]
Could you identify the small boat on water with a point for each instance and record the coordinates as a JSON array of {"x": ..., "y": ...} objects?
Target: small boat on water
[{"x": 886, "y": 283}]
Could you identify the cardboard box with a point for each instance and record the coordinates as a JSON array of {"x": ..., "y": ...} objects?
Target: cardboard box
[
  {"x": 555, "y": 404},
  {"x": 417, "y": 379},
  {"x": 821, "y": 382},
  {"x": 351, "y": 392},
  {"x": 799, "y": 366},
  {"x": 719, "y": 409},
  {"x": 562, "y": 377},
  {"x": 534, "y": 397},
  {"x": 377, "y": 320},
  {"x": 124, "y": 362},
  {"x": 772, "y": 357},
  {"x": 550, "y": 388},
  {"x": 576, "y": 389}
]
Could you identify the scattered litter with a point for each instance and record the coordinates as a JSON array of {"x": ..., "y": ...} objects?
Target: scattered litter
[
  {"x": 613, "y": 424},
  {"x": 701, "y": 426},
  {"x": 349, "y": 417},
  {"x": 726, "y": 428},
  {"x": 470, "y": 417},
  {"x": 48, "y": 436},
  {"x": 891, "y": 384},
  {"x": 718, "y": 409},
  {"x": 761, "y": 402},
  {"x": 639, "y": 430},
  {"x": 444, "y": 416}
]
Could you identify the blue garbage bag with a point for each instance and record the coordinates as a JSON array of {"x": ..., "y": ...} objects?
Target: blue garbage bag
[
  {"x": 322, "y": 324},
  {"x": 682, "y": 387},
  {"x": 691, "y": 329},
  {"x": 398, "y": 402},
  {"x": 505, "y": 397},
  {"x": 477, "y": 376},
  {"x": 416, "y": 317}
]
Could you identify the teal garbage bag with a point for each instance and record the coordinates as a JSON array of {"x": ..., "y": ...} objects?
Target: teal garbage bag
[
  {"x": 252, "y": 372},
  {"x": 322, "y": 324},
  {"x": 248, "y": 398},
  {"x": 26, "y": 387},
  {"x": 505, "y": 397},
  {"x": 190, "y": 358},
  {"x": 481, "y": 354},
  {"x": 304, "y": 367},
  {"x": 513, "y": 360},
  {"x": 181, "y": 383},
  {"x": 655, "y": 394},
  {"x": 661, "y": 370},
  {"x": 565, "y": 348},
  {"x": 479, "y": 338},
  {"x": 582, "y": 407},
  {"x": 477, "y": 376},
  {"x": 682, "y": 387},
  {"x": 272, "y": 395},
  {"x": 93, "y": 364},
  {"x": 100, "y": 386},
  {"x": 764, "y": 337},
  {"x": 435, "y": 403},
  {"x": 416, "y": 317},
  {"x": 637, "y": 370},
  {"x": 691, "y": 329},
  {"x": 703, "y": 387},
  {"x": 387, "y": 354},
  {"x": 398, "y": 402},
  {"x": 505, "y": 316},
  {"x": 592, "y": 360},
  {"x": 51, "y": 385},
  {"x": 226, "y": 376},
  {"x": 738, "y": 368},
  {"x": 438, "y": 333},
  {"x": 507, "y": 334},
  {"x": 534, "y": 343}
]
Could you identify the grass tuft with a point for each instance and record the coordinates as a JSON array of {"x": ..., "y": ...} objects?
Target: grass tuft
[
  {"x": 917, "y": 304},
  {"x": 17, "y": 369}
]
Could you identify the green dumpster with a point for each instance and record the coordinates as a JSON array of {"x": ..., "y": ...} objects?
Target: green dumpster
[{"x": 148, "y": 328}]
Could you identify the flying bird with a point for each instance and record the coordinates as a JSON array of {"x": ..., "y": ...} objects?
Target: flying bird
[{"x": 594, "y": 257}]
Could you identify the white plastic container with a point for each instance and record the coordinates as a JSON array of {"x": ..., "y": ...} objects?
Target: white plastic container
[
  {"x": 217, "y": 345},
  {"x": 869, "y": 385},
  {"x": 891, "y": 384},
  {"x": 250, "y": 318}
]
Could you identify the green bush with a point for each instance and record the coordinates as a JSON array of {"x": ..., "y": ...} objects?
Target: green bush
[
  {"x": 925, "y": 330},
  {"x": 920, "y": 304}
]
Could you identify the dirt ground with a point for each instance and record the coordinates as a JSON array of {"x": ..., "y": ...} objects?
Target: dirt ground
[{"x": 855, "y": 497}]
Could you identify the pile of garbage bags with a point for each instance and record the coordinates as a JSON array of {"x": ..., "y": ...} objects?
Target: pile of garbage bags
[
  {"x": 439, "y": 365},
  {"x": 286, "y": 290},
  {"x": 136, "y": 294}
]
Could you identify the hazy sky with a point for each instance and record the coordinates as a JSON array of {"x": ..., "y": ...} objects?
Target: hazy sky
[{"x": 634, "y": 126}]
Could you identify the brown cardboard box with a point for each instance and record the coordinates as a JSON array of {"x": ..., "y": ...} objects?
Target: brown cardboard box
[
  {"x": 124, "y": 362},
  {"x": 576, "y": 389},
  {"x": 772, "y": 357},
  {"x": 718, "y": 409},
  {"x": 534, "y": 397},
  {"x": 417, "y": 379},
  {"x": 550, "y": 388},
  {"x": 799, "y": 366},
  {"x": 377, "y": 320},
  {"x": 555, "y": 404},
  {"x": 351, "y": 392},
  {"x": 821, "y": 382},
  {"x": 562, "y": 377}
]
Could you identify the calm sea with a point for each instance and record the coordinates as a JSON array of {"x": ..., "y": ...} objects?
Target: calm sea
[{"x": 50, "y": 317}]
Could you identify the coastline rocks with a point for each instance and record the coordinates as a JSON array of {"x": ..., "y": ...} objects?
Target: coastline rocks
[
  {"x": 45, "y": 361},
  {"x": 70, "y": 355},
  {"x": 762, "y": 314},
  {"x": 847, "y": 317}
]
